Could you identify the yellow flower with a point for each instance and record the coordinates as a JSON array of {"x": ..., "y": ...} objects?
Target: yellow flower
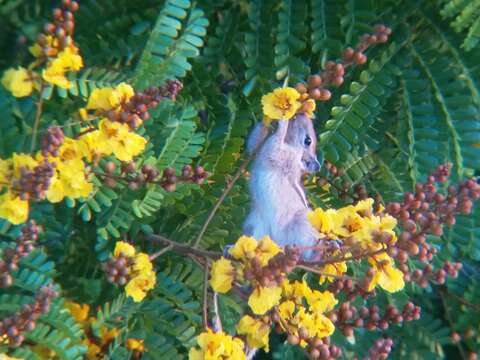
[
  {"x": 13, "y": 209},
  {"x": 100, "y": 99},
  {"x": 20, "y": 161},
  {"x": 78, "y": 311},
  {"x": 69, "y": 180},
  {"x": 263, "y": 299},
  {"x": 125, "y": 248},
  {"x": 73, "y": 149},
  {"x": 142, "y": 263},
  {"x": 123, "y": 92},
  {"x": 222, "y": 275},
  {"x": 116, "y": 138},
  {"x": 309, "y": 107},
  {"x": 286, "y": 311},
  {"x": 321, "y": 219},
  {"x": 257, "y": 332},
  {"x": 5, "y": 172},
  {"x": 282, "y": 103},
  {"x": 388, "y": 277},
  {"x": 138, "y": 286},
  {"x": 18, "y": 82},
  {"x": 108, "y": 335},
  {"x": 91, "y": 142},
  {"x": 93, "y": 350},
  {"x": 364, "y": 207},
  {"x": 295, "y": 291},
  {"x": 345, "y": 221},
  {"x": 333, "y": 269},
  {"x": 136, "y": 345},
  {"x": 321, "y": 302},
  {"x": 217, "y": 346},
  {"x": 244, "y": 248},
  {"x": 55, "y": 74},
  {"x": 67, "y": 60},
  {"x": 266, "y": 249},
  {"x": 108, "y": 98}
]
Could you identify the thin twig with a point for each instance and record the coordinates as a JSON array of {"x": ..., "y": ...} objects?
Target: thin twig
[
  {"x": 161, "y": 252},
  {"x": 225, "y": 192},
  {"x": 184, "y": 249},
  {"x": 341, "y": 259},
  {"x": 222, "y": 197},
  {"x": 321, "y": 273},
  {"x": 205, "y": 295},
  {"x": 38, "y": 114},
  {"x": 462, "y": 300}
]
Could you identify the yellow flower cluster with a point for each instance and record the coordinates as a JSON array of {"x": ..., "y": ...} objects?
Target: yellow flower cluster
[
  {"x": 141, "y": 275},
  {"x": 225, "y": 271},
  {"x": 362, "y": 226},
  {"x": 21, "y": 82},
  {"x": 217, "y": 346},
  {"x": 109, "y": 98},
  {"x": 67, "y": 60},
  {"x": 303, "y": 311},
  {"x": 284, "y": 103},
  {"x": 71, "y": 178}
]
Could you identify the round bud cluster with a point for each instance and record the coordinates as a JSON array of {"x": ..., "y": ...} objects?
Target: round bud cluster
[
  {"x": 424, "y": 212},
  {"x": 189, "y": 174},
  {"x": 117, "y": 269},
  {"x": 275, "y": 271},
  {"x": 52, "y": 141},
  {"x": 134, "y": 111},
  {"x": 33, "y": 184},
  {"x": 347, "y": 317},
  {"x": 380, "y": 349},
  {"x": 24, "y": 320},
  {"x": 357, "y": 56},
  {"x": 423, "y": 276},
  {"x": 321, "y": 349},
  {"x": 171, "y": 89},
  {"x": 334, "y": 72},
  {"x": 61, "y": 29},
  {"x": 349, "y": 288},
  {"x": 12, "y": 255}
]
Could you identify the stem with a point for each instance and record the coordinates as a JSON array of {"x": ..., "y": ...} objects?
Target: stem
[
  {"x": 205, "y": 295},
  {"x": 184, "y": 249},
  {"x": 321, "y": 273},
  {"x": 38, "y": 114},
  {"x": 341, "y": 259},
  {"x": 225, "y": 192},
  {"x": 222, "y": 197},
  {"x": 160, "y": 252}
]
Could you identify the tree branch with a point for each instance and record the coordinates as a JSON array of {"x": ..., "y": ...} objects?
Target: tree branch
[
  {"x": 38, "y": 114},
  {"x": 225, "y": 192},
  {"x": 183, "y": 249}
]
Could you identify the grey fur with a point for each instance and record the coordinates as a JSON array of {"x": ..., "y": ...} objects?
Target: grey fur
[{"x": 278, "y": 202}]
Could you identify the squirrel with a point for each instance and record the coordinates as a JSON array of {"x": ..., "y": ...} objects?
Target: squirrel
[{"x": 279, "y": 206}]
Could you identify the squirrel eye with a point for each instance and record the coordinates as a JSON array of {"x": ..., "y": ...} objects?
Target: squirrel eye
[{"x": 307, "y": 141}]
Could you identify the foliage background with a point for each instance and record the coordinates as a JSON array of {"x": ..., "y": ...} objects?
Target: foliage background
[{"x": 414, "y": 106}]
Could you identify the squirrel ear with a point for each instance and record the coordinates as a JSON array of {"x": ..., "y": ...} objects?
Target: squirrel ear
[{"x": 256, "y": 137}]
